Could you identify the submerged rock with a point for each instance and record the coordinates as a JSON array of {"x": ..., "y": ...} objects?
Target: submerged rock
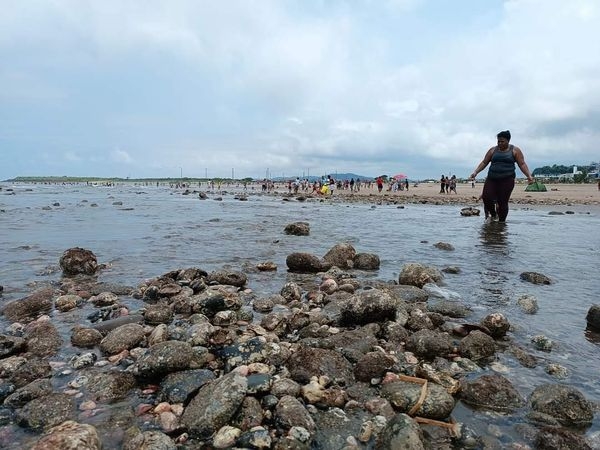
[
  {"x": 493, "y": 392},
  {"x": 70, "y": 435},
  {"x": 419, "y": 275},
  {"x": 564, "y": 403}
]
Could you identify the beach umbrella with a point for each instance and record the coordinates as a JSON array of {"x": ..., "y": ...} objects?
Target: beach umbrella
[{"x": 399, "y": 176}]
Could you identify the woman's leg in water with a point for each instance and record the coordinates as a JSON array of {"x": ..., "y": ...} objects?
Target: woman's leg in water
[
  {"x": 489, "y": 196},
  {"x": 504, "y": 188}
]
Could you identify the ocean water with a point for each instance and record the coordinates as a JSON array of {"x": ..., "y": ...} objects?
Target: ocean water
[{"x": 144, "y": 231}]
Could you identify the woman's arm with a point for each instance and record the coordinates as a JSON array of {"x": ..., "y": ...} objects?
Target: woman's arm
[
  {"x": 483, "y": 164},
  {"x": 522, "y": 164}
]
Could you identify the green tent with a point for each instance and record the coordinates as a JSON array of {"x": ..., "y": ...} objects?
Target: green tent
[{"x": 536, "y": 186}]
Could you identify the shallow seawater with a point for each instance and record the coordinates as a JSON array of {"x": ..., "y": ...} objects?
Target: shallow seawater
[{"x": 144, "y": 231}]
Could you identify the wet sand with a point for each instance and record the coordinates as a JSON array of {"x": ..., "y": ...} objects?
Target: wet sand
[{"x": 557, "y": 194}]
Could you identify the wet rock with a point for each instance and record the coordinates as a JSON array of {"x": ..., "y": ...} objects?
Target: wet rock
[
  {"x": 401, "y": 432},
  {"x": 291, "y": 413},
  {"x": 267, "y": 266},
  {"x": 215, "y": 404},
  {"x": 43, "y": 339},
  {"x": 367, "y": 261},
  {"x": 395, "y": 333},
  {"x": 35, "y": 389},
  {"x": 297, "y": 229},
  {"x": 111, "y": 324},
  {"x": 46, "y": 411},
  {"x": 68, "y": 302},
  {"x": 353, "y": 344},
  {"x": 560, "y": 438},
  {"x": 213, "y": 300},
  {"x": 372, "y": 365},
  {"x": 285, "y": 386},
  {"x": 404, "y": 395},
  {"x": 78, "y": 260},
  {"x": 469, "y": 211},
  {"x": 263, "y": 305},
  {"x": 6, "y": 389},
  {"x": 163, "y": 358},
  {"x": 444, "y": 246},
  {"x": 419, "y": 275},
  {"x": 85, "y": 360},
  {"x": 291, "y": 292},
  {"x": 122, "y": 338},
  {"x": 341, "y": 255},
  {"x": 10, "y": 345},
  {"x": 227, "y": 277},
  {"x": 557, "y": 371},
  {"x": 249, "y": 415},
  {"x": 406, "y": 293},
  {"x": 251, "y": 351},
  {"x": 30, "y": 307},
  {"x": 157, "y": 314},
  {"x": 308, "y": 362},
  {"x": 497, "y": 324},
  {"x": 257, "y": 437},
  {"x": 477, "y": 345},
  {"x": 70, "y": 435},
  {"x": 159, "y": 334},
  {"x": 593, "y": 317},
  {"x": 450, "y": 308},
  {"x": 528, "y": 303},
  {"x": 493, "y": 392},
  {"x": 524, "y": 358},
  {"x": 565, "y": 403},
  {"x": 85, "y": 337},
  {"x": 368, "y": 306},
  {"x": 535, "y": 278},
  {"x": 179, "y": 386},
  {"x": 305, "y": 263},
  {"x": 429, "y": 344},
  {"x": 108, "y": 387},
  {"x": 150, "y": 440},
  {"x": 419, "y": 320},
  {"x": 542, "y": 343},
  {"x": 104, "y": 299},
  {"x": 30, "y": 370}
]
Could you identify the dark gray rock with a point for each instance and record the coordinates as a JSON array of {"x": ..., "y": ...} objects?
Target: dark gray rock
[
  {"x": 404, "y": 395},
  {"x": 297, "y": 229},
  {"x": 30, "y": 307},
  {"x": 593, "y": 317},
  {"x": 30, "y": 370},
  {"x": 400, "y": 433},
  {"x": 429, "y": 344},
  {"x": 10, "y": 345},
  {"x": 367, "y": 261},
  {"x": 291, "y": 413},
  {"x": 108, "y": 387},
  {"x": 157, "y": 314},
  {"x": 419, "y": 275},
  {"x": 179, "y": 386},
  {"x": 560, "y": 439},
  {"x": 43, "y": 339},
  {"x": 70, "y": 435},
  {"x": 565, "y": 403},
  {"x": 341, "y": 255},
  {"x": 78, "y": 260},
  {"x": 47, "y": 411},
  {"x": 305, "y": 263},
  {"x": 477, "y": 345},
  {"x": 368, "y": 306},
  {"x": 372, "y": 365},
  {"x": 163, "y": 358},
  {"x": 150, "y": 440},
  {"x": 493, "y": 392},
  {"x": 450, "y": 308},
  {"x": 214, "y": 405},
  {"x": 535, "y": 278},
  {"x": 308, "y": 362},
  {"x": 497, "y": 324},
  {"x": 227, "y": 277},
  {"x": 35, "y": 389},
  {"x": 85, "y": 337},
  {"x": 122, "y": 338}
]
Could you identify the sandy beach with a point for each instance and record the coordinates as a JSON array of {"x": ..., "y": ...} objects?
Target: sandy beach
[{"x": 557, "y": 194}]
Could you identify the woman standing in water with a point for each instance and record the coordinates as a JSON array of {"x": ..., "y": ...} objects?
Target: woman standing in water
[{"x": 500, "y": 180}]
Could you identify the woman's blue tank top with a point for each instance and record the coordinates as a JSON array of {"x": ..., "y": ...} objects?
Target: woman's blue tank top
[{"x": 502, "y": 164}]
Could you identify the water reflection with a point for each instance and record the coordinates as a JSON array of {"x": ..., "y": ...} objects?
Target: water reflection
[
  {"x": 592, "y": 336},
  {"x": 493, "y": 236}
]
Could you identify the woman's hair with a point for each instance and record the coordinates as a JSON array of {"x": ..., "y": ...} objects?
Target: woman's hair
[{"x": 504, "y": 134}]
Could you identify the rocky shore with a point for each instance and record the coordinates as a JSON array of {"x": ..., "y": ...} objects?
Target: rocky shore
[{"x": 193, "y": 359}]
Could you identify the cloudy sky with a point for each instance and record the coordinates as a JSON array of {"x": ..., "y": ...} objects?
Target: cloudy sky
[{"x": 166, "y": 88}]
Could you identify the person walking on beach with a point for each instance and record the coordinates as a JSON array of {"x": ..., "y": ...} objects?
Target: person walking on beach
[{"x": 500, "y": 180}]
